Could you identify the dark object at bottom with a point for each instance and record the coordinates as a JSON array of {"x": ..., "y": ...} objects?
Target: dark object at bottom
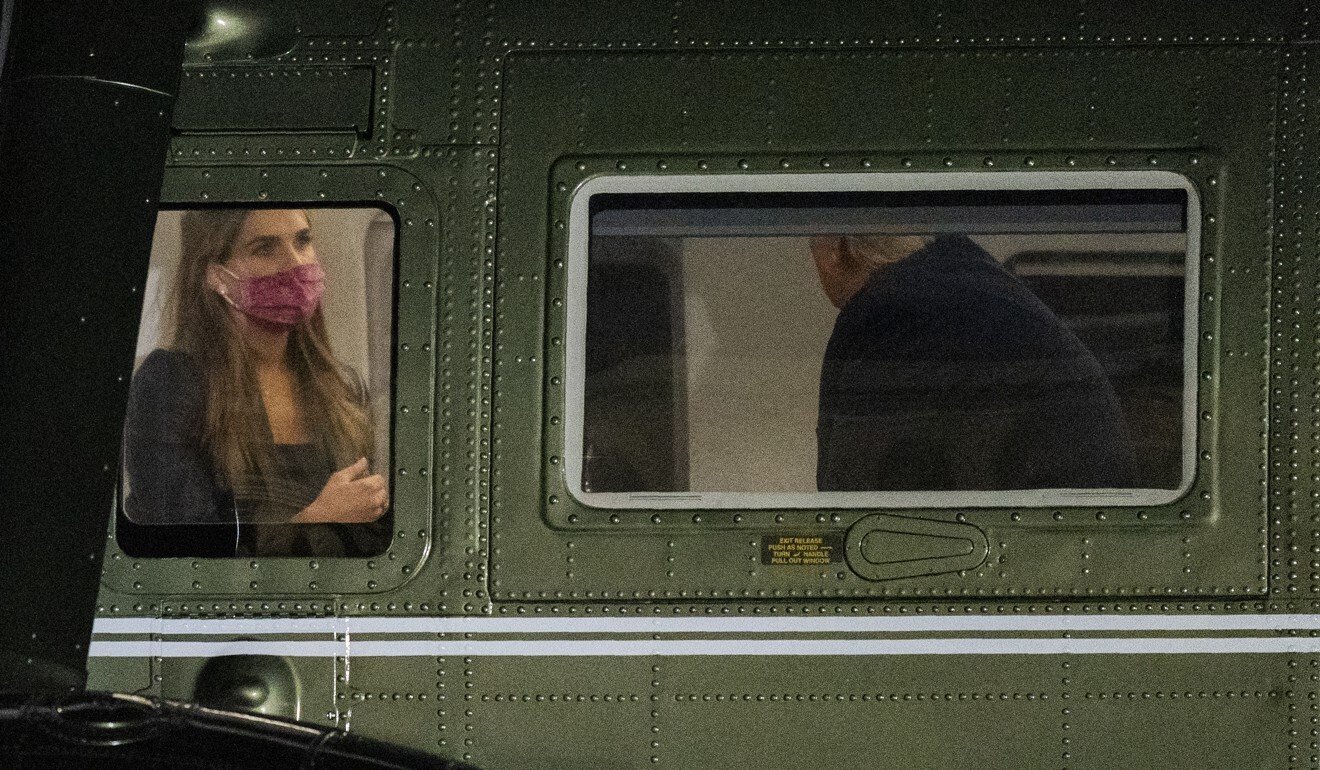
[{"x": 127, "y": 731}]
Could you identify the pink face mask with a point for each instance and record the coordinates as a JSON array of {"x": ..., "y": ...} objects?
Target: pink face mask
[{"x": 280, "y": 300}]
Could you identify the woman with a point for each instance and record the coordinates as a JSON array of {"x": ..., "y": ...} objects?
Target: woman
[{"x": 246, "y": 417}]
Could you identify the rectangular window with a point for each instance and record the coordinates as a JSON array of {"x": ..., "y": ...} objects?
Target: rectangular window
[
  {"x": 882, "y": 340},
  {"x": 259, "y": 413}
]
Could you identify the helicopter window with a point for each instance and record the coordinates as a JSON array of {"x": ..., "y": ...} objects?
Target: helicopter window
[
  {"x": 259, "y": 412},
  {"x": 868, "y": 340}
]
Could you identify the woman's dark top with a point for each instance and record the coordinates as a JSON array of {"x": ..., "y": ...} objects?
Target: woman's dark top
[
  {"x": 171, "y": 480},
  {"x": 944, "y": 372}
]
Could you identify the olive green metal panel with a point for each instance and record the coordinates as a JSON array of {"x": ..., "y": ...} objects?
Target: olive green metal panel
[
  {"x": 438, "y": 67},
  {"x": 306, "y": 689},
  {"x": 465, "y": 185},
  {"x": 326, "y": 99},
  {"x": 130, "y": 675},
  {"x": 1209, "y": 543},
  {"x": 325, "y": 66},
  {"x": 881, "y": 712},
  {"x": 992, "y": 731},
  {"x": 551, "y": 712},
  {"x": 395, "y": 699},
  {"x": 441, "y": 388},
  {"x": 451, "y": 58},
  {"x": 1293, "y": 374},
  {"x": 344, "y": 20},
  {"x": 579, "y": 24},
  {"x": 1131, "y": 730},
  {"x": 1178, "y": 711},
  {"x": 901, "y": 22},
  {"x": 414, "y": 387}
]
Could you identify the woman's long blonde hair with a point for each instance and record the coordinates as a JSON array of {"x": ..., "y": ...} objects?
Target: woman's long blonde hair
[{"x": 234, "y": 429}]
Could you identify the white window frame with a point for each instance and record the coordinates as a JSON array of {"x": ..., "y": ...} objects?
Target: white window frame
[{"x": 576, "y": 333}]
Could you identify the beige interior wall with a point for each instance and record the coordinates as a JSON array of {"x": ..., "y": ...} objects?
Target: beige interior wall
[
  {"x": 340, "y": 236},
  {"x": 160, "y": 275},
  {"x": 756, "y": 324}
]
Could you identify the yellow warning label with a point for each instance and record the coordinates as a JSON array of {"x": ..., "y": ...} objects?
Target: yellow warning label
[{"x": 802, "y": 550}]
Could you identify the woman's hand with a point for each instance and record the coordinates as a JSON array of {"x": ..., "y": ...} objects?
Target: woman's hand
[{"x": 349, "y": 497}]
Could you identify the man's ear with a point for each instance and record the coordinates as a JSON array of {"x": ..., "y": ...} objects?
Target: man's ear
[
  {"x": 827, "y": 250},
  {"x": 842, "y": 252}
]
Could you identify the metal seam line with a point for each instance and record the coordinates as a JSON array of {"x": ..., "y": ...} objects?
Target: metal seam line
[
  {"x": 725, "y": 647},
  {"x": 718, "y": 625},
  {"x": 90, "y": 79}
]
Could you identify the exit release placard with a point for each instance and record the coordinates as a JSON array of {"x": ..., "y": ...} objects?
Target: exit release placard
[{"x": 802, "y": 549}]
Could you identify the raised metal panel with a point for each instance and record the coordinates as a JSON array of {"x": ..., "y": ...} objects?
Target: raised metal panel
[
  {"x": 579, "y": 24},
  {"x": 1216, "y": 543},
  {"x": 447, "y": 75},
  {"x": 900, "y": 22},
  {"x": 240, "y": 99},
  {"x": 832, "y": 712},
  {"x": 418, "y": 221},
  {"x": 351, "y": 19},
  {"x": 582, "y": 698},
  {"x": 130, "y": 675},
  {"x": 1185, "y": 711},
  {"x": 395, "y": 699},
  {"x": 445, "y": 231},
  {"x": 1294, "y": 458}
]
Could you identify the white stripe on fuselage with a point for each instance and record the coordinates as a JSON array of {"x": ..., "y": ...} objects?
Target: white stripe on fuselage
[
  {"x": 708, "y": 625},
  {"x": 728, "y": 636},
  {"x": 727, "y": 647}
]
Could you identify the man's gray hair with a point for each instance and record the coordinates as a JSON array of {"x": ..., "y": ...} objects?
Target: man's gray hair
[{"x": 874, "y": 251}]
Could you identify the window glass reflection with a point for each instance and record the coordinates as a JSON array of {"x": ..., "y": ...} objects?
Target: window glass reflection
[{"x": 791, "y": 344}]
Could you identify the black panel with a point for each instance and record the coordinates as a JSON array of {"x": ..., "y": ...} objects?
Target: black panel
[
  {"x": 633, "y": 401},
  {"x": 82, "y": 171},
  {"x": 113, "y": 731}
]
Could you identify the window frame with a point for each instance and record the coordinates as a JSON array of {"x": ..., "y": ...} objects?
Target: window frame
[
  {"x": 412, "y": 432},
  {"x": 576, "y": 269},
  {"x": 160, "y": 302}
]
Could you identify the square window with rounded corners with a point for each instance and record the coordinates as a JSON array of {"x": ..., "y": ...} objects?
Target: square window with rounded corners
[
  {"x": 259, "y": 415},
  {"x": 877, "y": 340}
]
